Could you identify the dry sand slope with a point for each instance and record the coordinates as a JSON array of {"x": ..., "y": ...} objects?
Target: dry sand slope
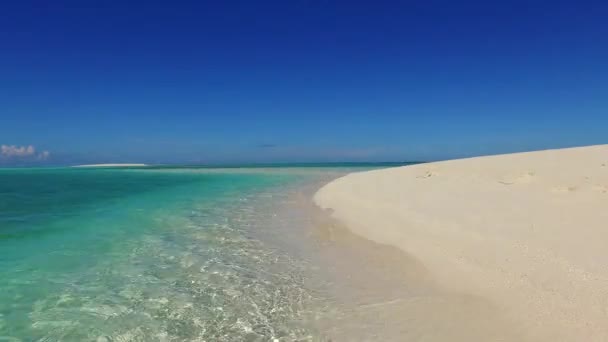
[{"x": 528, "y": 232}]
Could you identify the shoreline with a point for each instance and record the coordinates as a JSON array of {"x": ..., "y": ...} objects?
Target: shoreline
[
  {"x": 522, "y": 232},
  {"x": 371, "y": 291}
]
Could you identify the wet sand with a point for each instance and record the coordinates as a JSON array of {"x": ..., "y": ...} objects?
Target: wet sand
[{"x": 369, "y": 291}]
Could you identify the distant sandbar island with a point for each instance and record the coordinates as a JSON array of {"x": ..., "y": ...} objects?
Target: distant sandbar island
[{"x": 109, "y": 165}]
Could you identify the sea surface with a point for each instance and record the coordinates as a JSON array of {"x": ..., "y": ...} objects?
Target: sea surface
[{"x": 161, "y": 254}]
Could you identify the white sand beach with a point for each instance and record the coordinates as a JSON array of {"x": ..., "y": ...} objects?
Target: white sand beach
[{"x": 526, "y": 232}]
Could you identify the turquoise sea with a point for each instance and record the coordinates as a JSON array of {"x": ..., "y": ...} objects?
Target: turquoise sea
[{"x": 155, "y": 254}]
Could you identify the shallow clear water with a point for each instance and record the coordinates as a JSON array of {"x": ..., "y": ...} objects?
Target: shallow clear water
[{"x": 168, "y": 254}]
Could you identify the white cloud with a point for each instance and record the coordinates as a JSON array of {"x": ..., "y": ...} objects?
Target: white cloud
[
  {"x": 44, "y": 155},
  {"x": 17, "y": 151},
  {"x": 22, "y": 152}
]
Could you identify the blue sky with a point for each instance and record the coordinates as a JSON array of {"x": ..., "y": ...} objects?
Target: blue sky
[{"x": 281, "y": 81}]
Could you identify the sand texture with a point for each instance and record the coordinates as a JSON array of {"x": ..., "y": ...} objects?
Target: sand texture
[{"x": 525, "y": 233}]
